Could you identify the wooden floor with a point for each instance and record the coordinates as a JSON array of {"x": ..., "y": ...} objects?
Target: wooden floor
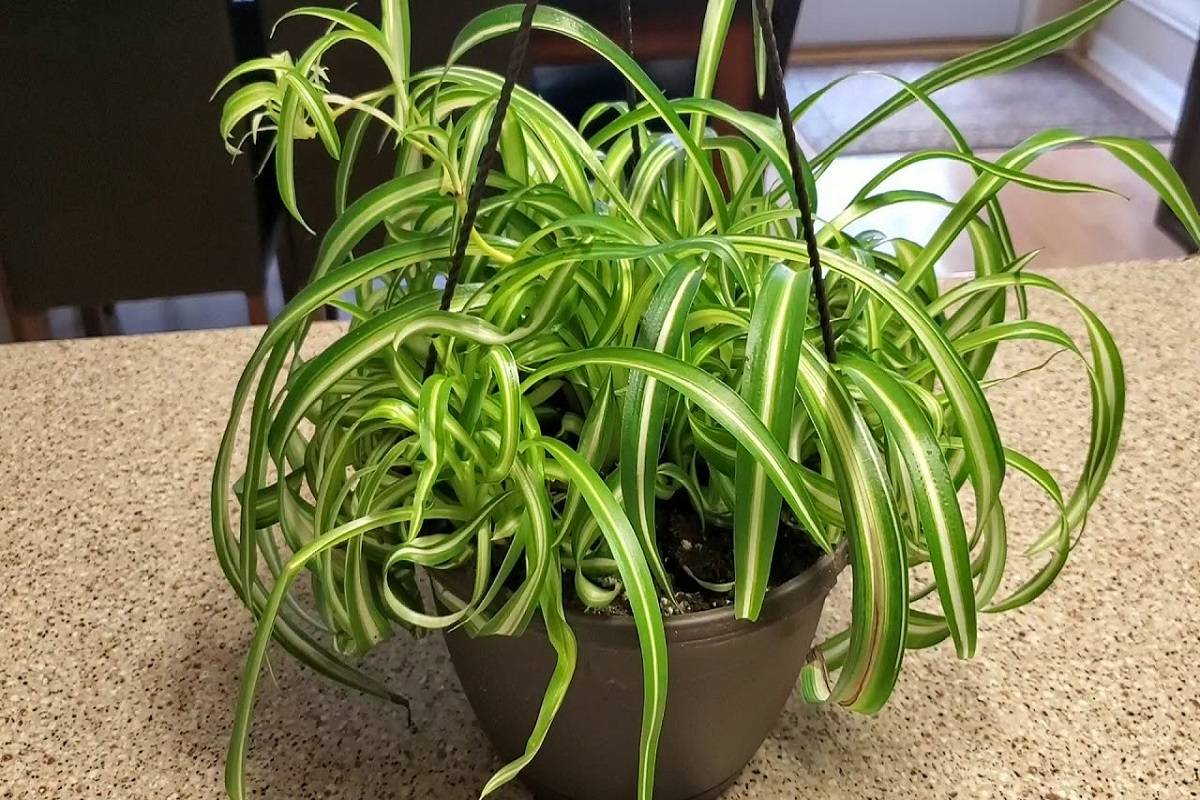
[{"x": 1070, "y": 229}]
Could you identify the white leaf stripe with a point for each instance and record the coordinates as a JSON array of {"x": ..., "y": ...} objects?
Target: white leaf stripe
[
  {"x": 503, "y": 20},
  {"x": 236, "y": 758},
  {"x": 1106, "y": 376},
  {"x": 935, "y": 494},
  {"x": 1146, "y": 159},
  {"x": 639, "y": 586},
  {"x": 563, "y": 640},
  {"x": 718, "y": 401},
  {"x": 879, "y": 601},
  {"x": 367, "y": 212},
  {"x": 984, "y": 453},
  {"x": 772, "y": 353},
  {"x": 644, "y": 407},
  {"x": 516, "y": 611}
]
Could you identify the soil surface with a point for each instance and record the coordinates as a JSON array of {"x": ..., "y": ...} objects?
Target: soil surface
[{"x": 692, "y": 551}]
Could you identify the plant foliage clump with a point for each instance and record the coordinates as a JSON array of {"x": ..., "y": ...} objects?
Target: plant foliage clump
[{"x": 629, "y": 329}]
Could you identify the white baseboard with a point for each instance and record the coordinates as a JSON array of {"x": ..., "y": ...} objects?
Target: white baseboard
[
  {"x": 1147, "y": 88},
  {"x": 1181, "y": 15},
  {"x": 867, "y": 52}
]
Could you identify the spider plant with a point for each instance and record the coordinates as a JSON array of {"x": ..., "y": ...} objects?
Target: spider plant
[{"x": 628, "y": 329}]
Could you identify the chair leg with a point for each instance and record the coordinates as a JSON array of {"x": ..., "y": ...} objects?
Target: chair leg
[
  {"x": 93, "y": 325},
  {"x": 29, "y": 326},
  {"x": 256, "y": 307},
  {"x": 291, "y": 276},
  {"x": 112, "y": 325}
]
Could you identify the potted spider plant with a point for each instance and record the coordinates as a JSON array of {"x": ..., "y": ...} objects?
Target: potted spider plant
[{"x": 631, "y": 405}]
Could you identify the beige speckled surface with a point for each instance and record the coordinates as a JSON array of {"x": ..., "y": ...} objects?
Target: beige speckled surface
[{"x": 120, "y": 644}]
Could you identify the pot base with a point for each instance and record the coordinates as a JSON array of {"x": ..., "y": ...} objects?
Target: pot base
[
  {"x": 728, "y": 681},
  {"x": 542, "y": 793}
]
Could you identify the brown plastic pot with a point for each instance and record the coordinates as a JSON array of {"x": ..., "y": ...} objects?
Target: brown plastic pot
[{"x": 728, "y": 682}]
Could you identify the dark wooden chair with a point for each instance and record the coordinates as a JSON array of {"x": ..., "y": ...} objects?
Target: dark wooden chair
[{"x": 115, "y": 185}]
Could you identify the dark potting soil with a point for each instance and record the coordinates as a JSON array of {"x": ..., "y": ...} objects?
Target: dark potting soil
[{"x": 691, "y": 550}]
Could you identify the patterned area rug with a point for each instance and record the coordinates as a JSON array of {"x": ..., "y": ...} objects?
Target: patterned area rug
[{"x": 995, "y": 111}]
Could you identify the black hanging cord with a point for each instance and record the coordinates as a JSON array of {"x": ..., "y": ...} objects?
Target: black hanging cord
[
  {"x": 630, "y": 95},
  {"x": 779, "y": 96},
  {"x": 516, "y": 62}
]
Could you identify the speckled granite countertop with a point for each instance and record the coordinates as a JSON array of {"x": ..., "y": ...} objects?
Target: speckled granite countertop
[{"x": 120, "y": 644}]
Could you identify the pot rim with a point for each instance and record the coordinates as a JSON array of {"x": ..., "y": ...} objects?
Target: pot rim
[{"x": 782, "y": 601}]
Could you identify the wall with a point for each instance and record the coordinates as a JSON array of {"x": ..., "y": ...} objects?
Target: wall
[
  {"x": 1035, "y": 12},
  {"x": 1146, "y": 48},
  {"x": 831, "y": 22}
]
